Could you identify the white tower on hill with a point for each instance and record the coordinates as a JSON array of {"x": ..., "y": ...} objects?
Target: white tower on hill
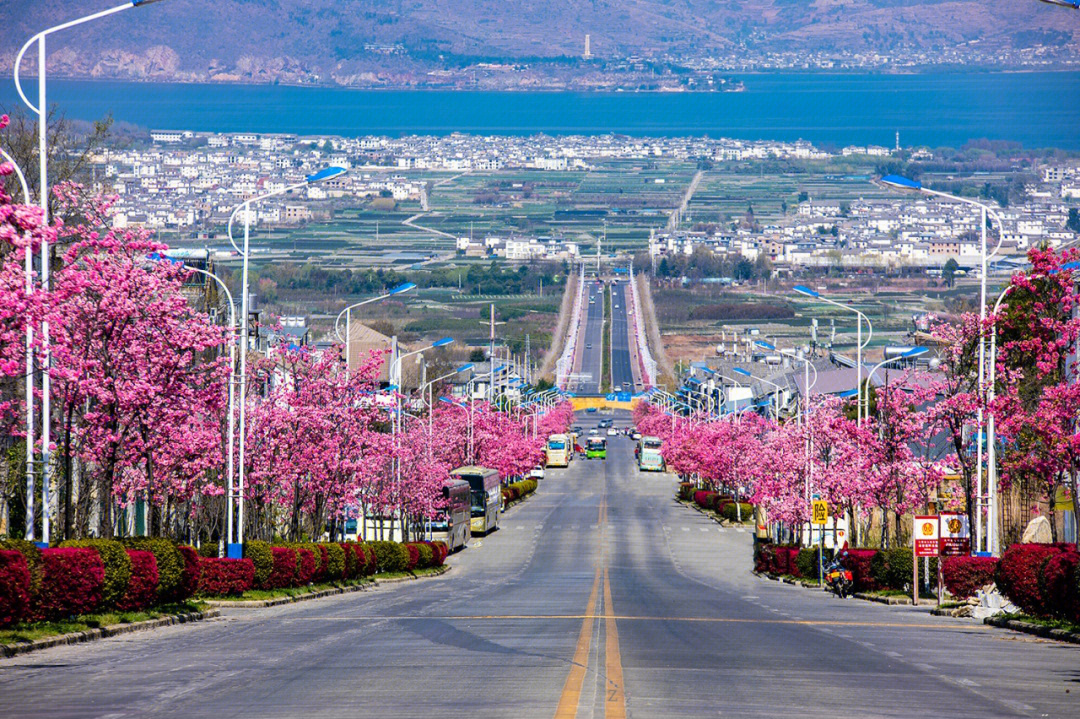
[{"x": 588, "y": 51}]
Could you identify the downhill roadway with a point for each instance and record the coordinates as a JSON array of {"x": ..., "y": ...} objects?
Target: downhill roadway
[
  {"x": 600, "y": 596},
  {"x": 622, "y": 369}
]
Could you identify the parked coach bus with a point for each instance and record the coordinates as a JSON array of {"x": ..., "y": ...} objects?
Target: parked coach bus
[
  {"x": 559, "y": 449},
  {"x": 596, "y": 448},
  {"x": 649, "y": 457},
  {"x": 486, "y": 496},
  {"x": 454, "y": 526}
]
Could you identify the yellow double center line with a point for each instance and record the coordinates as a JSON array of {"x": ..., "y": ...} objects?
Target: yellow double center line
[{"x": 614, "y": 696}]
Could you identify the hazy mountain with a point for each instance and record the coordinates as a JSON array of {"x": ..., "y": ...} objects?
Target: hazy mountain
[{"x": 404, "y": 41}]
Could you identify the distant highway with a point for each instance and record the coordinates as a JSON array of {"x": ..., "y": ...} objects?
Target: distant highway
[
  {"x": 590, "y": 365},
  {"x": 590, "y": 351},
  {"x": 622, "y": 366}
]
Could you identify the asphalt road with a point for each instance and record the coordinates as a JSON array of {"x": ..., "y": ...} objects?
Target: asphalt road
[
  {"x": 592, "y": 352},
  {"x": 599, "y": 597},
  {"x": 622, "y": 369}
]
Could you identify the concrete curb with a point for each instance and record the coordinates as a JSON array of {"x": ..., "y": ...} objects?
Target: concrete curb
[
  {"x": 712, "y": 515},
  {"x": 894, "y": 600},
  {"x": 112, "y": 630},
  {"x": 333, "y": 591},
  {"x": 1038, "y": 630}
]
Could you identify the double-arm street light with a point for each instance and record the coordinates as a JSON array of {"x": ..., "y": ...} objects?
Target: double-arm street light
[
  {"x": 347, "y": 312},
  {"x": 320, "y": 176},
  {"x": 42, "y": 111},
  {"x": 860, "y": 345},
  {"x": 908, "y": 185},
  {"x": 430, "y": 385}
]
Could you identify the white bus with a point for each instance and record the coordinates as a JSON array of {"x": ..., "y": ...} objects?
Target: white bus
[
  {"x": 649, "y": 457},
  {"x": 559, "y": 450}
]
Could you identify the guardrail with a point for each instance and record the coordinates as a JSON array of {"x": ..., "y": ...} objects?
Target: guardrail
[{"x": 565, "y": 364}]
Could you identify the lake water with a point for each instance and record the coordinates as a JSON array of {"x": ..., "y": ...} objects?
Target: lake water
[{"x": 936, "y": 109}]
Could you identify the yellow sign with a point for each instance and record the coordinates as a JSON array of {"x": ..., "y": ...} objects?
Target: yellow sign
[
  {"x": 1063, "y": 500},
  {"x": 820, "y": 513}
]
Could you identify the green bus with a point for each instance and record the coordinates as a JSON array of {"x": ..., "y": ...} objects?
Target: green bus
[{"x": 596, "y": 448}]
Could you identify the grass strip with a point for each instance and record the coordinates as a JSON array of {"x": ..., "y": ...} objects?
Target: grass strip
[{"x": 29, "y": 632}]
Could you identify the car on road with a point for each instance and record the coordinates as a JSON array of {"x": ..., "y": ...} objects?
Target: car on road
[
  {"x": 576, "y": 429},
  {"x": 537, "y": 472},
  {"x": 636, "y": 436},
  {"x": 588, "y": 346},
  {"x": 612, "y": 432},
  {"x": 618, "y": 388}
]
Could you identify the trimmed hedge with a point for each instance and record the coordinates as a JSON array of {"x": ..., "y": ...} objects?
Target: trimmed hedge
[
  {"x": 686, "y": 491},
  {"x": 892, "y": 568},
  {"x": 32, "y": 554},
  {"x": 730, "y": 511},
  {"x": 283, "y": 573},
  {"x": 335, "y": 561},
  {"x": 964, "y": 575},
  {"x": 72, "y": 582},
  {"x": 1058, "y": 583},
  {"x": 262, "y": 558},
  {"x": 859, "y": 562},
  {"x": 117, "y": 567},
  {"x": 439, "y": 551},
  {"x": 322, "y": 558},
  {"x": 390, "y": 556},
  {"x": 14, "y": 587},
  {"x": 414, "y": 557},
  {"x": 1017, "y": 575},
  {"x": 516, "y": 490},
  {"x": 171, "y": 565},
  {"x": 306, "y": 567},
  {"x": 426, "y": 554},
  {"x": 142, "y": 586},
  {"x": 225, "y": 577},
  {"x": 189, "y": 579}
]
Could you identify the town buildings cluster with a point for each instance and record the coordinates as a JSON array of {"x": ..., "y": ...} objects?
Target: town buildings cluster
[{"x": 896, "y": 232}]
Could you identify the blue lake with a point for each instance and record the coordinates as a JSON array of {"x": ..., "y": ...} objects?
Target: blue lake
[{"x": 936, "y": 109}]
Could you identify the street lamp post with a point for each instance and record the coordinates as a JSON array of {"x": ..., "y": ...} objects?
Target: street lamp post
[
  {"x": 807, "y": 366},
  {"x": 909, "y": 185},
  {"x": 42, "y": 112},
  {"x": 860, "y": 345},
  {"x": 320, "y": 176},
  {"x": 430, "y": 384},
  {"x": 404, "y": 287},
  {"x": 29, "y": 290},
  {"x": 231, "y": 431}
]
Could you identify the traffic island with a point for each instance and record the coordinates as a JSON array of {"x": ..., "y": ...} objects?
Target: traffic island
[{"x": 18, "y": 647}]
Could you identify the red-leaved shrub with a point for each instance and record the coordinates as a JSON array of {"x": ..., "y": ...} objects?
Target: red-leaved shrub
[
  {"x": 439, "y": 552},
  {"x": 1058, "y": 585},
  {"x": 324, "y": 560},
  {"x": 964, "y": 575},
  {"x": 189, "y": 576},
  {"x": 1018, "y": 574},
  {"x": 143, "y": 584},
  {"x": 414, "y": 556},
  {"x": 352, "y": 567},
  {"x": 306, "y": 566},
  {"x": 763, "y": 558},
  {"x": 858, "y": 561},
  {"x": 284, "y": 572},
  {"x": 14, "y": 587},
  {"x": 225, "y": 577},
  {"x": 72, "y": 579}
]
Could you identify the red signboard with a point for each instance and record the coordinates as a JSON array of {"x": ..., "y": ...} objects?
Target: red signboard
[
  {"x": 955, "y": 534},
  {"x": 925, "y": 534}
]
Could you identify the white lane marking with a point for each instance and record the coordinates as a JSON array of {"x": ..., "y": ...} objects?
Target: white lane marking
[
  {"x": 751, "y": 596},
  {"x": 667, "y": 529},
  {"x": 894, "y": 654},
  {"x": 739, "y": 529},
  {"x": 704, "y": 529},
  {"x": 686, "y": 529},
  {"x": 519, "y": 527},
  {"x": 967, "y": 682}
]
